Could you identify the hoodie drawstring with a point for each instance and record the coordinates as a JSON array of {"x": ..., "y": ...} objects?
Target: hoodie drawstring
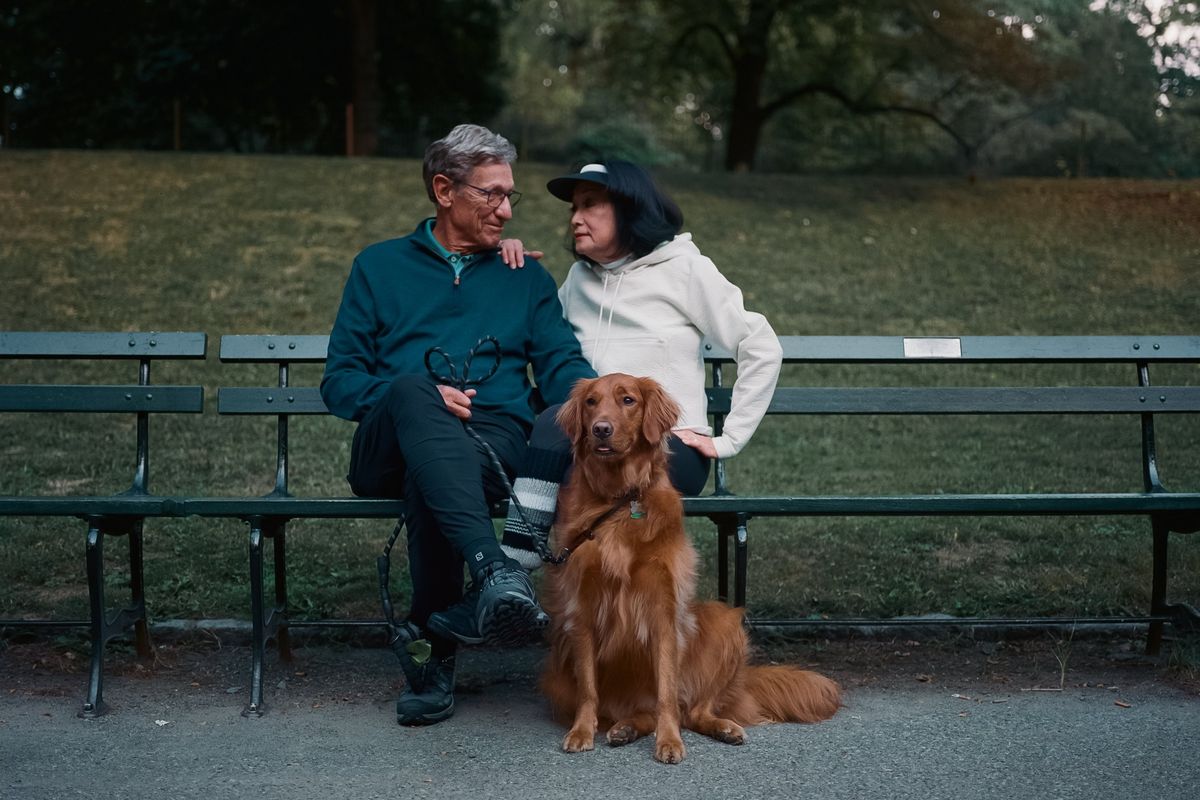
[{"x": 612, "y": 309}]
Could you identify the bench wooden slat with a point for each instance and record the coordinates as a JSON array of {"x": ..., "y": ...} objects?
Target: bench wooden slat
[
  {"x": 110, "y": 506},
  {"x": 973, "y": 400},
  {"x": 300, "y": 507},
  {"x": 1082, "y": 504},
  {"x": 312, "y": 348},
  {"x": 53, "y": 344},
  {"x": 978, "y": 349},
  {"x": 102, "y": 399},
  {"x": 270, "y": 400},
  {"x": 257, "y": 348}
]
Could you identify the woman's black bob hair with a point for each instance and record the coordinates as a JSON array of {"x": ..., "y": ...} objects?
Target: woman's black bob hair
[{"x": 645, "y": 216}]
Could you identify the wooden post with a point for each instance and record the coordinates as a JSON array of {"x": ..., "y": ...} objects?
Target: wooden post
[{"x": 349, "y": 130}]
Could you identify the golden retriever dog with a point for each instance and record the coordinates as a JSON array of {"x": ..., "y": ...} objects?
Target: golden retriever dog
[{"x": 631, "y": 649}]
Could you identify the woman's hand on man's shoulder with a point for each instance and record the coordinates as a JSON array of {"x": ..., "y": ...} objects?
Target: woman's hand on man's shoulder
[{"x": 513, "y": 253}]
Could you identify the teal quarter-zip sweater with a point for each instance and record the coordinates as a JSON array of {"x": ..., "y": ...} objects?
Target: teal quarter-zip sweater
[{"x": 407, "y": 295}]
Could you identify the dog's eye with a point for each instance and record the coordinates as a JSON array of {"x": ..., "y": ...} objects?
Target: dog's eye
[
  {"x": 627, "y": 400},
  {"x": 591, "y": 401}
]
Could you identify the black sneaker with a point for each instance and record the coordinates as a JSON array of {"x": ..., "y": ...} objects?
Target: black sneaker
[
  {"x": 459, "y": 622},
  {"x": 431, "y": 699},
  {"x": 500, "y": 609}
]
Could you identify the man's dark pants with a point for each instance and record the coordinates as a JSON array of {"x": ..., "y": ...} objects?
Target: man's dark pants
[{"x": 410, "y": 446}]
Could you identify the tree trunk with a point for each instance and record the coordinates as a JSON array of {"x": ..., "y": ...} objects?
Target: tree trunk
[
  {"x": 364, "y": 62},
  {"x": 749, "y": 72},
  {"x": 745, "y": 132}
]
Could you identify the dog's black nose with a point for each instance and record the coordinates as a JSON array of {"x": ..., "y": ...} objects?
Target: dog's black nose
[{"x": 602, "y": 429}]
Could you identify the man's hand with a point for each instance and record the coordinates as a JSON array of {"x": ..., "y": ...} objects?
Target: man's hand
[
  {"x": 697, "y": 441},
  {"x": 458, "y": 403},
  {"x": 513, "y": 252}
]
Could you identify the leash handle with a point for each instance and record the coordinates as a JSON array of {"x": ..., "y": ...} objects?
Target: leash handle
[{"x": 450, "y": 376}]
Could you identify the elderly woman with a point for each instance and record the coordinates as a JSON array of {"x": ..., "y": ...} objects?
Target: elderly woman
[{"x": 640, "y": 298}]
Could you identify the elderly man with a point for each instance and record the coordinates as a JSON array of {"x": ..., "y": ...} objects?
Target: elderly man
[{"x": 445, "y": 286}]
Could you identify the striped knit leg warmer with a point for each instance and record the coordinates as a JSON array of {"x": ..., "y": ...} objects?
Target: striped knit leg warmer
[{"x": 536, "y": 489}]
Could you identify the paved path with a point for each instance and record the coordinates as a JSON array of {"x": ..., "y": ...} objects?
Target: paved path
[{"x": 174, "y": 732}]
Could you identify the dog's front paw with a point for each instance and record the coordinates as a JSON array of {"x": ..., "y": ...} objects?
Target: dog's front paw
[
  {"x": 577, "y": 741},
  {"x": 669, "y": 749}
]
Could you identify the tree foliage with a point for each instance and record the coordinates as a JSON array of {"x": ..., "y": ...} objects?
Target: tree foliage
[
  {"x": 1029, "y": 86},
  {"x": 247, "y": 76},
  {"x": 879, "y": 84}
]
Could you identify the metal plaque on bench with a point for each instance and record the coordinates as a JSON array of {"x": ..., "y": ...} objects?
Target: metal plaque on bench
[{"x": 932, "y": 348}]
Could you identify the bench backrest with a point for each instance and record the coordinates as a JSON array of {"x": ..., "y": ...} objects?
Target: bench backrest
[
  {"x": 282, "y": 400},
  {"x": 141, "y": 398},
  {"x": 1139, "y": 397}
]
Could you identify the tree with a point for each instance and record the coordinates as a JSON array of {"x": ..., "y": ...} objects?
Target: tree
[
  {"x": 881, "y": 57},
  {"x": 364, "y": 72}
]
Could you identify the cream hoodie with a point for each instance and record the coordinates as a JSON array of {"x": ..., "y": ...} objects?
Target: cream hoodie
[{"x": 648, "y": 316}]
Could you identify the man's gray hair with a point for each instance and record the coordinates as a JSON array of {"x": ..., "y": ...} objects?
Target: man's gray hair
[{"x": 463, "y": 149}]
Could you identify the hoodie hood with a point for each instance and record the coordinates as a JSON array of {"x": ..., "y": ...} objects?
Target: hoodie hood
[{"x": 680, "y": 246}]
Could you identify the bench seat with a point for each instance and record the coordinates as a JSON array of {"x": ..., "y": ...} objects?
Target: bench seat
[
  {"x": 1186, "y": 504},
  {"x": 84, "y": 506}
]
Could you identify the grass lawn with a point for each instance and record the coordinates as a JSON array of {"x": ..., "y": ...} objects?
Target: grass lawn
[{"x": 233, "y": 244}]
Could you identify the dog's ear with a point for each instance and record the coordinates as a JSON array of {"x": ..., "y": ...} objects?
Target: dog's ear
[
  {"x": 659, "y": 411},
  {"x": 570, "y": 415}
]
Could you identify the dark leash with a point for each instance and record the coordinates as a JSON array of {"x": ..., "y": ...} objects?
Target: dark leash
[
  {"x": 630, "y": 498},
  {"x": 450, "y": 376}
]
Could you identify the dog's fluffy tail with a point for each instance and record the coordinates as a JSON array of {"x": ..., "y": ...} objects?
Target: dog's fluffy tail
[{"x": 787, "y": 694}]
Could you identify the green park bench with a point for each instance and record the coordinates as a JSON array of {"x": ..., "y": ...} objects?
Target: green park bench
[
  {"x": 916, "y": 367},
  {"x": 1167, "y": 511},
  {"x": 119, "y": 514}
]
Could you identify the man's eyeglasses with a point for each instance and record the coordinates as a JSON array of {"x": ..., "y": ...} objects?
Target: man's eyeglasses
[{"x": 494, "y": 197}]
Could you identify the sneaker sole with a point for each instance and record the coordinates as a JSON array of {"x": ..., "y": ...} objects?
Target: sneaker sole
[
  {"x": 435, "y": 624},
  {"x": 515, "y": 622}
]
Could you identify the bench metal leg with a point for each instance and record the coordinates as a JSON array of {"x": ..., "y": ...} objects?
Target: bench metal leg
[
  {"x": 104, "y": 627},
  {"x": 278, "y": 533},
  {"x": 1158, "y": 586},
  {"x": 739, "y": 568},
  {"x": 265, "y": 624},
  {"x": 94, "y": 705},
  {"x": 258, "y": 623},
  {"x": 137, "y": 591},
  {"x": 725, "y": 530},
  {"x": 731, "y": 527}
]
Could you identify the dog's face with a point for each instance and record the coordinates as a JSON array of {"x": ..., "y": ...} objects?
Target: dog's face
[{"x": 615, "y": 415}]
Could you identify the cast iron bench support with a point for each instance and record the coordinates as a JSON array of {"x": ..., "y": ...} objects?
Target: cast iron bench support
[
  {"x": 122, "y": 514},
  {"x": 103, "y": 625}
]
